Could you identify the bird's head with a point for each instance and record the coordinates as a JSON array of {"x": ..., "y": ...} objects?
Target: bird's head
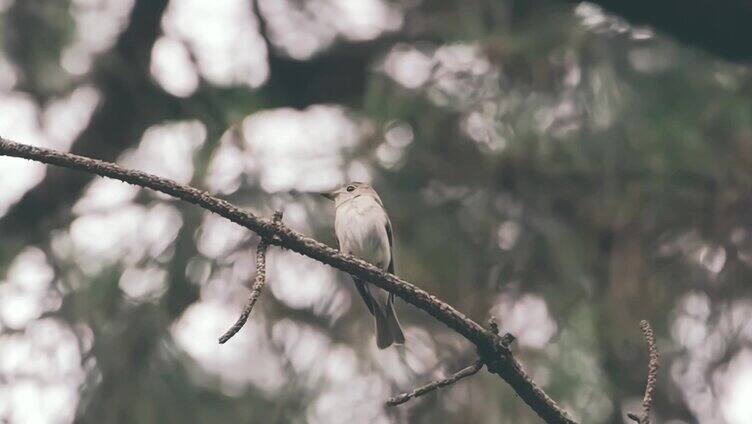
[{"x": 350, "y": 191}]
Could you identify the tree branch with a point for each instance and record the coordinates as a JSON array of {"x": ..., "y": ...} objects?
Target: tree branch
[
  {"x": 497, "y": 356},
  {"x": 130, "y": 102},
  {"x": 420, "y": 391},
  {"x": 647, "y": 400},
  {"x": 258, "y": 285},
  {"x": 506, "y": 341}
]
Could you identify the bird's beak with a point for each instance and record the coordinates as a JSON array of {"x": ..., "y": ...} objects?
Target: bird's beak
[{"x": 328, "y": 195}]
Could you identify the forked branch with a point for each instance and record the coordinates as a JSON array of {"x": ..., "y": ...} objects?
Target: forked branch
[
  {"x": 258, "y": 285},
  {"x": 505, "y": 341},
  {"x": 497, "y": 356},
  {"x": 428, "y": 388}
]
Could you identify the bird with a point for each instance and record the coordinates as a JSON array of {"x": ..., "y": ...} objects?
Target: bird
[{"x": 363, "y": 229}]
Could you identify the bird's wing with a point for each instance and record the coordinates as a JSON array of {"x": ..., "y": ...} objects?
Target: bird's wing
[
  {"x": 365, "y": 293},
  {"x": 390, "y": 236}
]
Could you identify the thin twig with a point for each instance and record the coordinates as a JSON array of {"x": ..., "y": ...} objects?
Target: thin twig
[
  {"x": 647, "y": 400},
  {"x": 258, "y": 285},
  {"x": 420, "y": 391},
  {"x": 498, "y": 358}
]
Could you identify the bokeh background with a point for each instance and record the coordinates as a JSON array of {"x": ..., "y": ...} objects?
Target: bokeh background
[{"x": 546, "y": 162}]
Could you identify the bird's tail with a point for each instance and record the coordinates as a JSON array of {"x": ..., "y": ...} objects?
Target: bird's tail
[{"x": 388, "y": 330}]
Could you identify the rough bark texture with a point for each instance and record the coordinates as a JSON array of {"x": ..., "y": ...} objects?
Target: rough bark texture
[
  {"x": 258, "y": 286},
  {"x": 420, "y": 391},
  {"x": 130, "y": 103},
  {"x": 491, "y": 349},
  {"x": 647, "y": 400}
]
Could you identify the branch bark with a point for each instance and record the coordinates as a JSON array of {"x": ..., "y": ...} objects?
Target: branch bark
[
  {"x": 495, "y": 354},
  {"x": 258, "y": 285},
  {"x": 428, "y": 388},
  {"x": 130, "y": 103},
  {"x": 647, "y": 400}
]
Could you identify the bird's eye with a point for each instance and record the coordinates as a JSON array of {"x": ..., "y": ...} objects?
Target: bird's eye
[{"x": 350, "y": 188}]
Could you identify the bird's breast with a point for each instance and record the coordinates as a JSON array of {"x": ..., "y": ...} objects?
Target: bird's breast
[{"x": 360, "y": 225}]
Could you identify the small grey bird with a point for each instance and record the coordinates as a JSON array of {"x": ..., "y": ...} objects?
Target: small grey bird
[{"x": 363, "y": 229}]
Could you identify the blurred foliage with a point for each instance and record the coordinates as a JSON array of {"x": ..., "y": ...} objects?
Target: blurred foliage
[{"x": 541, "y": 161}]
